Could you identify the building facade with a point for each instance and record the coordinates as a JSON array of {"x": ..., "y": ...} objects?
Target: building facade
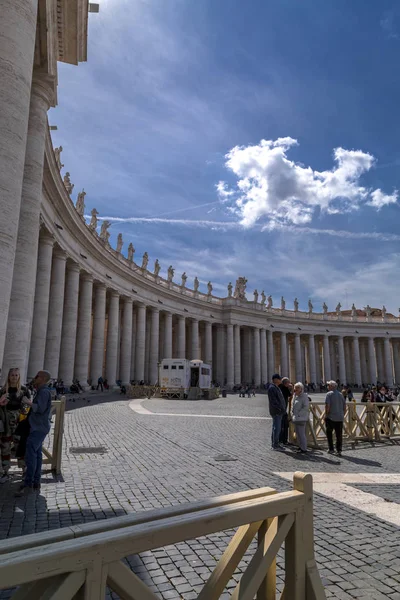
[{"x": 71, "y": 304}]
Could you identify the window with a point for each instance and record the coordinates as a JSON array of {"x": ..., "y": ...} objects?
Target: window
[
  {"x": 173, "y": 367},
  {"x": 181, "y": 367},
  {"x": 205, "y": 371},
  {"x": 165, "y": 367}
]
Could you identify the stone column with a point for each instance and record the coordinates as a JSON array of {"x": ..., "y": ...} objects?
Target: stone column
[
  {"x": 168, "y": 335},
  {"x": 221, "y": 354},
  {"x": 348, "y": 360},
  {"x": 396, "y": 360},
  {"x": 69, "y": 325},
  {"x": 181, "y": 337},
  {"x": 41, "y": 305},
  {"x": 284, "y": 355},
  {"x": 237, "y": 354},
  {"x": 112, "y": 339},
  {"x": 356, "y": 360},
  {"x": 264, "y": 359},
  {"x": 140, "y": 341},
  {"x": 271, "y": 353},
  {"x": 17, "y": 45},
  {"x": 318, "y": 364},
  {"x": 364, "y": 362},
  {"x": 230, "y": 361},
  {"x": 208, "y": 343},
  {"x": 195, "y": 340},
  {"x": 257, "y": 356},
  {"x": 154, "y": 345},
  {"x": 332, "y": 352},
  {"x": 297, "y": 350},
  {"x": 380, "y": 359},
  {"x": 98, "y": 331},
  {"x": 311, "y": 354},
  {"x": 81, "y": 370},
  {"x": 388, "y": 362},
  {"x": 327, "y": 359},
  {"x": 126, "y": 341},
  {"x": 133, "y": 351},
  {"x": 342, "y": 362},
  {"x": 56, "y": 308}
]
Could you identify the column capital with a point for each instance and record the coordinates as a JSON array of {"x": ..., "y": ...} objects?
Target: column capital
[
  {"x": 44, "y": 87},
  {"x": 100, "y": 285},
  {"x": 114, "y": 293},
  {"x": 73, "y": 266},
  {"x": 155, "y": 309},
  {"x": 127, "y": 299},
  {"x": 86, "y": 276},
  {"x": 58, "y": 253},
  {"x": 46, "y": 238}
]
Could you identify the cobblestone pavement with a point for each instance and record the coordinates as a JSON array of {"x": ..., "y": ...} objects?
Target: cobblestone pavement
[{"x": 153, "y": 461}]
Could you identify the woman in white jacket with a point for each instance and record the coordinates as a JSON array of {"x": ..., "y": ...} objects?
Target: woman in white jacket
[{"x": 300, "y": 415}]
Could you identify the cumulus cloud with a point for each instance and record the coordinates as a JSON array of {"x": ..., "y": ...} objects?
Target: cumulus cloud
[{"x": 269, "y": 184}]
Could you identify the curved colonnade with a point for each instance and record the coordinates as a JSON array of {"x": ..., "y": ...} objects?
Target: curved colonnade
[{"x": 78, "y": 308}]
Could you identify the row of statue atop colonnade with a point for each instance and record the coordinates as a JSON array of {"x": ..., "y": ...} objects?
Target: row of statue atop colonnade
[{"x": 238, "y": 293}]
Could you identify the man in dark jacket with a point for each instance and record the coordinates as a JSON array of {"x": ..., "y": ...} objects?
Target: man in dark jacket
[
  {"x": 287, "y": 391},
  {"x": 277, "y": 408}
]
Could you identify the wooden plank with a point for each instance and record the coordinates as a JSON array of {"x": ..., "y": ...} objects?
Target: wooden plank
[
  {"x": 64, "y": 587},
  {"x": 73, "y": 555},
  {"x": 267, "y": 589},
  {"x": 31, "y": 590},
  {"x": 315, "y": 589},
  {"x": 96, "y": 580},
  {"x": 126, "y": 584},
  {"x": 295, "y": 564},
  {"x": 78, "y": 531},
  {"x": 229, "y": 561},
  {"x": 258, "y": 567}
]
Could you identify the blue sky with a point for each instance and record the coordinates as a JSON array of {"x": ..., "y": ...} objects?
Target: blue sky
[{"x": 256, "y": 139}]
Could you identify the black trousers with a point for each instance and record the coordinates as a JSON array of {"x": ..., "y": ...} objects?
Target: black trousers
[
  {"x": 284, "y": 436},
  {"x": 337, "y": 427}
]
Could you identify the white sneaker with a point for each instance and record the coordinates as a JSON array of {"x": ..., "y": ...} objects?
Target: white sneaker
[{"x": 4, "y": 478}]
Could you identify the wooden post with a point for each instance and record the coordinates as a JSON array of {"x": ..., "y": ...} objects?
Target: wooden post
[
  {"x": 58, "y": 436},
  {"x": 267, "y": 590}
]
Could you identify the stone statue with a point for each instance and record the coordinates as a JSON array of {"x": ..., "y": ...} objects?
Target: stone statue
[
  {"x": 384, "y": 311},
  {"x": 145, "y": 260},
  {"x": 255, "y": 294},
  {"x": 230, "y": 290},
  {"x": 196, "y": 284},
  {"x": 80, "y": 203},
  {"x": 353, "y": 310},
  {"x": 57, "y": 154},
  {"x": 171, "y": 273},
  {"x": 339, "y": 309},
  {"x": 209, "y": 288},
  {"x": 93, "y": 220},
  {"x": 310, "y": 306},
  {"x": 263, "y": 298},
  {"x": 325, "y": 308},
  {"x": 67, "y": 183},
  {"x": 283, "y": 303},
  {"x": 120, "y": 242},
  {"x": 296, "y": 304},
  {"x": 240, "y": 288},
  {"x": 184, "y": 279},
  {"x": 104, "y": 233},
  {"x": 368, "y": 311},
  {"x": 270, "y": 302},
  {"x": 157, "y": 267},
  {"x": 131, "y": 252}
]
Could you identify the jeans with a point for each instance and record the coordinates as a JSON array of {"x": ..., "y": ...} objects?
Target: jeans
[
  {"x": 276, "y": 430},
  {"x": 336, "y": 426},
  {"x": 301, "y": 435},
  {"x": 284, "y": 435},
  {"x": 33, "y": 457}
]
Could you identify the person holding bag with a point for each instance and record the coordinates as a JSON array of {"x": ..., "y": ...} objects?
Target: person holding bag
[{"x": 300, "y": 415}]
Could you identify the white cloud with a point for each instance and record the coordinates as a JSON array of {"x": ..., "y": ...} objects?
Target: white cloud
[{"x": 270, "y": 184}]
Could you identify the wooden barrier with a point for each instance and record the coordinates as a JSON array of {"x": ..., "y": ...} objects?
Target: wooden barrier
[
  {"x": 67, "y": 568},
  {"x": 55, "y": 456},
  {"x": 369, "y": 422},
  {"x": 142, "y": 391}
]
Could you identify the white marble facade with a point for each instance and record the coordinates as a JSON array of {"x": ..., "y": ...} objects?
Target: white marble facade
[{"x": 71, "y": 304}]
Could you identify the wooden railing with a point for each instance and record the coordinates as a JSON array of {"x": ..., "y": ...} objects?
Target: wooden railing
[
  {"x": 54, "y": 457},
  {"x": 57, "y": 566},
  {"x": 372, "y": 421}
]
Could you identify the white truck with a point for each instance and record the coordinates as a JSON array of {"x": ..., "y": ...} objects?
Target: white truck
[{"x": 182, "y": 378}]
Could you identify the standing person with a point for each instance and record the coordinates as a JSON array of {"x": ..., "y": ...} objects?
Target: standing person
[
  {"x": 11, "y": 398},
  {"x": 39, "y": 422},
  {"x": 301, "y": 415},
  {"x": 100, "y": 383},
  {"x": 277, "y": 409},
  {"x": 335, "y": 409},
  {"x": 286, "y": 389}
]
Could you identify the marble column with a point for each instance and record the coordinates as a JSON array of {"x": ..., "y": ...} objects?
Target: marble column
[
  {"x": 327, "y": 359},
  {"x": 264, "y": 357},
  {"x": 154, "y": 345},
  {"x": 396, "y": 360},
  {"x": 363, "y": 362},
  {"x": 41, "y": 305},
  {"x": 181, "y": 337},
  {"x": 342, "y": 362},
  {"x": 349, "y": 361},
  {"x": 388, "y": 362},
  {"x": 56, "y": 308},
  {"x": 257, "y": 356},
  {"x": 168, "y": 335},
  {"x": 133, "y": 351},
  {"x": 17, "y": 45},
  {"x": 147, "y": 348},
  {"x": 126, "y": 341},
  {"x": 69, "y": 325},
  {"x": 380, "y": 360},
  {"x": 297, "y": 350},
  {"x": 318, "y": 364},
  {"x": 311, "y": 354},
  {"x": 98, "y": 332},
  {"x": 140, "y": 341},
  {"x": 271, "y": 354},
  {"x": 195, "y": 340},
  {"x": 332, "y": 352},
  {"x": 230, "y": 357},
  {"x": 221, "y": 354},
  {"x": 356, "y": 361},
  {"x": 112, "y": 339},
  {"x": 208, "y": 343},
  {"x": 84, "y": 324},
  {"x": 284, "y": 355}
]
